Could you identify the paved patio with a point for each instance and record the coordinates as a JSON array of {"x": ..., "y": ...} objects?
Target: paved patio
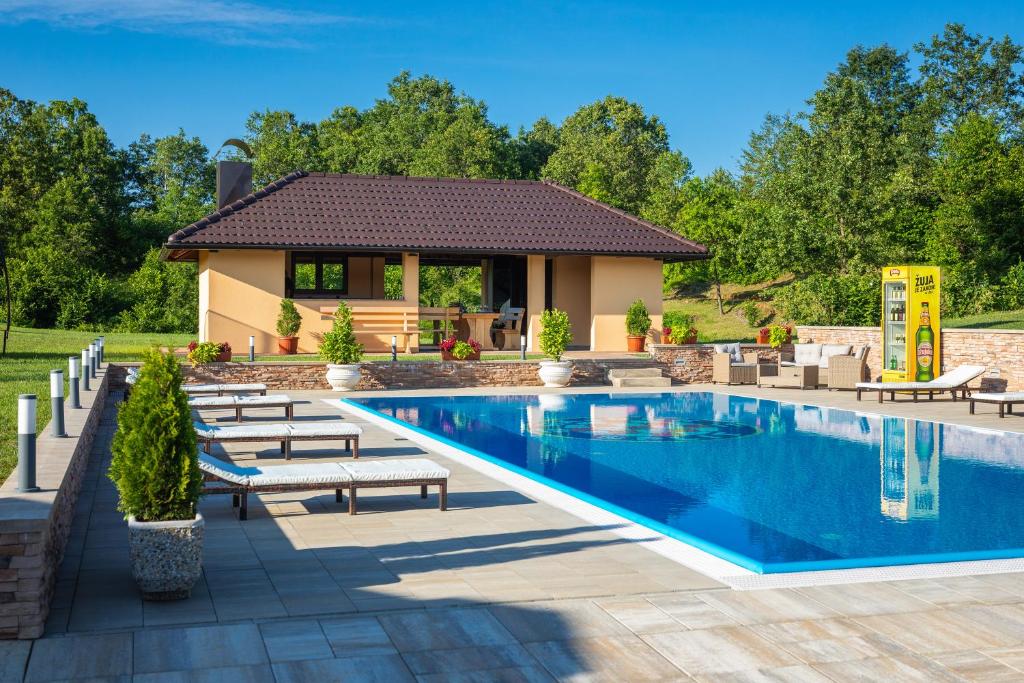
[{"x": 500, "y": 587}]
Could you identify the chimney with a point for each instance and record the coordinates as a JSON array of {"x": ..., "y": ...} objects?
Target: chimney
[{"x": 234, "y": 181}]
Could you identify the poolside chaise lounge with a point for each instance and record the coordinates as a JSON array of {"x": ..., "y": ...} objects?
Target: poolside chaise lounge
[
  {"x": 951, "y": 381},
  {"x": 221, "y": 389},
  {"x": 285, "y": 433},
  {"x": 237, "y": 403},
  {"x": 1005, "y": 400},
  {"x": 226, "y": 477}
]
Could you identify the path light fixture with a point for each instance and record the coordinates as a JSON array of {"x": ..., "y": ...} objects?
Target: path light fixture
[
  {"x": 522, "y": 347},
  {"x": 73, "y": 382},
  {"x": 57, "y": 403},
  {"x": 394, "y": 348},
  {"x": 85, "y": 369},
  {"x": 252, "y": 348},
  {"x": 27, "y": 443}
]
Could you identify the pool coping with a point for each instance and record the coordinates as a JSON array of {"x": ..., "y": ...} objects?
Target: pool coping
[{"x": 702, "y": 556}]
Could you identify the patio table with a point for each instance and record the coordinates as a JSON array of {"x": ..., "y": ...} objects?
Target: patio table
[{"x": 477, "y": 326}]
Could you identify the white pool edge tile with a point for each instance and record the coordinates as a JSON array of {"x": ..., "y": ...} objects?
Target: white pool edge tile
[{"x": 734, "y": 576}]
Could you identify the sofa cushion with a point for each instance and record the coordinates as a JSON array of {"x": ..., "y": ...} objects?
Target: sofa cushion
[
  {"x": 806, "y": 354},
  {"x": 732, "y": 349},
  {"x": 861, "y": 352},
  {"x": 829, "y": 350}
]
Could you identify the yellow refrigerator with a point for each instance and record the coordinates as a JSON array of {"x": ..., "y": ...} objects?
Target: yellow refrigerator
[{"x": 910, "y": 323}]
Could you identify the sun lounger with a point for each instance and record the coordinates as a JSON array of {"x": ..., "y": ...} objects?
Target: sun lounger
[
  {"x": 1004, "y": 400},
  {"x": 950, "y": 381},
  {"x": 226, "y": 477},
  {"x": 222, "y": 389},
  {"x": 285, "y": 433},
  {"x": 237, "y": 403}
]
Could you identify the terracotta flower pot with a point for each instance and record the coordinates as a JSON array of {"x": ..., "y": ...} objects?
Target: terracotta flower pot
[
  {"x": 762, "y": 338},
  {"x": 635, "y": 343},
  {"x": 287, "y": 345}
]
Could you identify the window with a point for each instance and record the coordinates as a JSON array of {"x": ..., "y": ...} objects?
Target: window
[{"x": 317, "y": 276}]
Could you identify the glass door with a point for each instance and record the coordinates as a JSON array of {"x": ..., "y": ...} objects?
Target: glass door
[{"x": 895, "y": 320}]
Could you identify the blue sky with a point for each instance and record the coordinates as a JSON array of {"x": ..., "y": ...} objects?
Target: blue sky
[{"x": 711, "y": 71}]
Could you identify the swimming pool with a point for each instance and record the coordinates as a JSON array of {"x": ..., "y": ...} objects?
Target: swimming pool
[{"x": 770, "y": 486}]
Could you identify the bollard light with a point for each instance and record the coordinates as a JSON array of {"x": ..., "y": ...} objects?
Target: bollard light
[
  {"x": 522, "y": 347},
  {"x": 57, "y": 402},
  {"x": 103, "y": 346},
  {"x": 252, "y": 348},
  {"x": 394, "y": 348},
  {"x": 92, "y": 360},
  {"x": 73, "y": 382},
  {"x": 27, "y": 443},
  {"x": 85, "y": 369}
]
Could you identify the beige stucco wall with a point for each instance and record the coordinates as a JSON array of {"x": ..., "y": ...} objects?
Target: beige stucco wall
[
  {"x": 534, "y": 299},
  {"x": 614, "y": 283},
  {"x": 241, "y": 291},
  {"x": 570, "y": 284}
]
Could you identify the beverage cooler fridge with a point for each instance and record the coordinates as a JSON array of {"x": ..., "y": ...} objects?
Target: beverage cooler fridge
[{"x": 910, "y": 323}]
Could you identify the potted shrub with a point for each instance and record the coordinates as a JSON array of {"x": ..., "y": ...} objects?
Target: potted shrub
[
  {"x": 779, "y": 335},
  {"x": 341, "y": 351},
  {"x": 156, "y": 471},
  {"x": 201, "y": 353},
  {"x": 683, "y": 335},
  {"x": 453, "y": 349},
  {"x": 288, "y": 323},
  {"x": 555, "y": 335},
  {"x": 638, "y": 323},
  {"x": 763, "y": 334}
]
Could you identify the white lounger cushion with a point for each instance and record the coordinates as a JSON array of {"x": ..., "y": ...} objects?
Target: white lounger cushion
[
  {"x": 245, "y": 431},
  {"x": 274, "y": 475},
  {"x": 1005, "y": 396},
  {"x": 232, "y": 401},
  {"x": 199, "y": 388},
  {"x": 326, "y": 429},
  {"x": 213, "y": 388},
  {"x": 223, "y": 469},
  {"x": 955, "y": 378},
  {"x": 394, "y": 470},
  {"x": 242, "y": 387}
]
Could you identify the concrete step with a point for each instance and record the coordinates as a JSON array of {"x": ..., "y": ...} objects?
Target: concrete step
[
  {"x": 641, "y": 382},
  {"x": 622, "y": 373}
]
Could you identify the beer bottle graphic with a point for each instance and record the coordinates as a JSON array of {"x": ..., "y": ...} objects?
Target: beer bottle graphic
[{"x": 925, "y": 342}]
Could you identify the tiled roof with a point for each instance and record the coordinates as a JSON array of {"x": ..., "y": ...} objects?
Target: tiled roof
[{"x": 335, "y": 211}]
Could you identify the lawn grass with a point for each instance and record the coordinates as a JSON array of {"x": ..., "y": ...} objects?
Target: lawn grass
[
  {"x": 31, "y": 354},
  {"x": 731, "y": 326},
  {"x": 997, "y": 320}
]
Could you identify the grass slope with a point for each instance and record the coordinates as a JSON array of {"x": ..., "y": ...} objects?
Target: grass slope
[
  {"x": 712, "y": 326},
  {"x": 31, "y": 354},
  {"x": 997, "y": 320}
]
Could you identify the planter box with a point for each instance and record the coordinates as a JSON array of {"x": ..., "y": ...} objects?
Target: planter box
[{"x": 447, "y": 355}]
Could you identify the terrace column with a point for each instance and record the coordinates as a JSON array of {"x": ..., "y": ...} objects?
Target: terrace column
[
  {"x": 411, "y": 288},
  {"x": 534, "y": 299}
]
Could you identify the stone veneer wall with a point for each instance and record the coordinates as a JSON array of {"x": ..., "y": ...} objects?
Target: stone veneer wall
[
  {"x": 1001, "y": 351},
  {"x": 34, "y": 527}
]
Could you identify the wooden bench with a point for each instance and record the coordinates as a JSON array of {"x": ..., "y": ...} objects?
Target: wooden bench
[{"x": 382, "y": 321}]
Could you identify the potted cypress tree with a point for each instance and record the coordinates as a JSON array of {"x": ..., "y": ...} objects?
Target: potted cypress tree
[
  {"x": 288, "y": 323},
  {"x": 155, "y": 468},
  {"x": 638, "y": 323},
  {"x": 555, "y": 335},
  {"x": 341, "y": 351}
]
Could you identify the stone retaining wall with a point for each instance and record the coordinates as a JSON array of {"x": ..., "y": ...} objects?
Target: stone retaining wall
[
  {"x": 1001, "y": 351},
  {"x": 34, "y": 527},
  {"x": 691, "y": 363}
]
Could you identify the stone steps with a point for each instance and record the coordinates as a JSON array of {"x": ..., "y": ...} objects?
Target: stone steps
[
  {"x": 622, "y": 373},
  {"x": 641, "y": 382}
]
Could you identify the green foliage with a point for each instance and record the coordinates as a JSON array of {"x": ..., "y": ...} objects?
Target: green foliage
[
  {"x": 677, "y": 320},
  {"x": 1011, "y": 288},
  {"x": 555, "y": 333},
  {"x": 288, "y": 319},
  {"x": 966, "y": 291},
  {"x": 751, "y": 313},
  {"x": 339, "y": 345},
  {"x": 462, "y": 350},
  {"x": 638, "y": 322},
  {"x": 155, "y": 466},
  {"x": 203, "y": 353},
  {"x": 164, "y": 297},
  {"x": 778, "y": 335},
  {"x": 832, "y": 300}
]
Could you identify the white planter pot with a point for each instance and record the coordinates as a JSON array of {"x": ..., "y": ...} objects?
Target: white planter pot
[
  {"x": 166, "y": 557},
  {"x": 343, "y": 377},
  {"x": 552, "y": 402},
  {"x": 555, "y": 373}
]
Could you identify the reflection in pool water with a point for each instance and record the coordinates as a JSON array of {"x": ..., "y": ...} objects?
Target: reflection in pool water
[{"x": 771, "y": 486}]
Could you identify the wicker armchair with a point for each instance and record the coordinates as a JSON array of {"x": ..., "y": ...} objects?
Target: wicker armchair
[
  {"x": 726, "y": 371},
  {"x": 845, "y": 371}
]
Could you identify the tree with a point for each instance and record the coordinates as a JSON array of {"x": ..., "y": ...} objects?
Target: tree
[
  {"x": 534, "y": 147},
  {"x": 609, "y": 150},
  {"x": 281, "y": 144}
]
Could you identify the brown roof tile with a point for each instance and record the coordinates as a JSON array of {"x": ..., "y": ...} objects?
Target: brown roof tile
[{"x": 321, "y": 210}]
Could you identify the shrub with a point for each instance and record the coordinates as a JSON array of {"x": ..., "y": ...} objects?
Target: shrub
[
  {"x": 681, "y": 334},
  {"x": 832, "y": 300},
  {"x": 966, "y": 291},
  {"x": 162, "y": 297},
  {"x": 339, "y": 345},
  {"x": 556, "y": 333},
  {"x": 155, "y": 466},
  {"x": 677, "y": 319},
  {"x": 206, "y": 352},
  {"x": 638, "y": 322},
  {"x": 751, "y": 313},
  {"x": 779, "y": 335},
  {"x": 288, "y": 319},
  {"x": 463, "y": 350},
  {"x": 1011, "y": 288}
]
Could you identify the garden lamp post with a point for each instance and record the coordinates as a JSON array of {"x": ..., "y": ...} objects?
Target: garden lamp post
[
  {"x": 57, "y": 402},
  {"x": 73, "y": 382},
  {"x": 394, "y": 348},
  {"x": 92, "y": 360},
  {"x": 27, "y": 443},
  {"x": 252, "y": 348},
  {"x": 522, "y": 347},
  {"x": 85, "y": 369}
]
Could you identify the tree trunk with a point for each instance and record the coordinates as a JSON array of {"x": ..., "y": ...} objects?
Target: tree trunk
[
  {"x": 718, "y": 295},
  {"x": 7, "y": 296}
]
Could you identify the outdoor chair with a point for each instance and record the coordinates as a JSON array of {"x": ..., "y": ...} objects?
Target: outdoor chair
[
  {"x": 221, "y": 476},
  {"x": 1004, "y": 400},
  {"x": 844, "y": 372},
  {"x": 725, "y": 369},
  {"x": 507, "y": 329},
  {"x": 285, "y": 433},
  {"x": 237, "y": 403},
  {"x": 222, "y": 389},
  {"x": 951, "y": 381}
]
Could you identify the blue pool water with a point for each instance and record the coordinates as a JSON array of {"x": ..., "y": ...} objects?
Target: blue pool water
[{"x": 773, "y": 487}]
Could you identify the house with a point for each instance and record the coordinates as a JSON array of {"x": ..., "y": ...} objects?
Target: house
[{"x": 320, "y": 238}]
